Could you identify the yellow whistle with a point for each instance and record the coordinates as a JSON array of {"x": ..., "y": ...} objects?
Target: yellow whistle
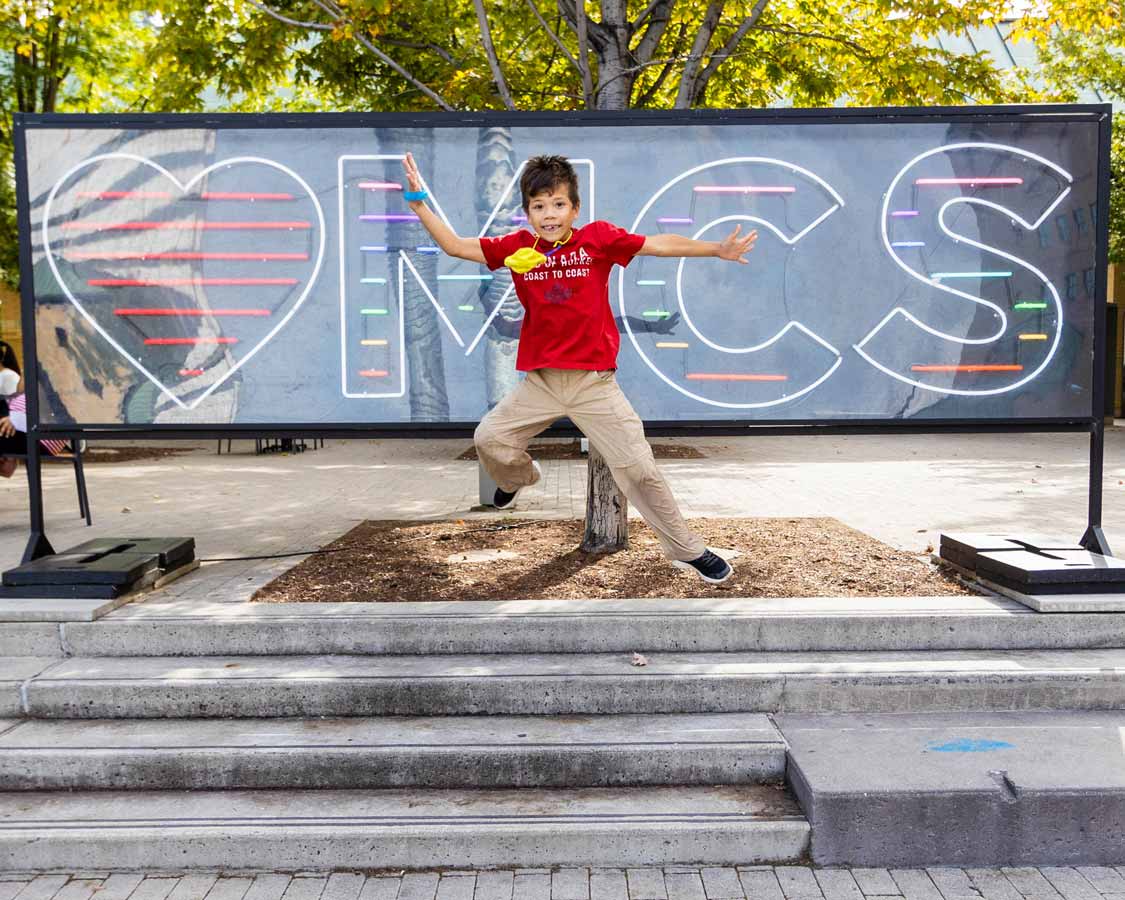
[{"x": 524, "y": 260}]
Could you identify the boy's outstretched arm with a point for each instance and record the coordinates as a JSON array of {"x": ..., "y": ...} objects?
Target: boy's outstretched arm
[
  {"x": 443, "y": 235},
  {"x": 732, "y": 247}
]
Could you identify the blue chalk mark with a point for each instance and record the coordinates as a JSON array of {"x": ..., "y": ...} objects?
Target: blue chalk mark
[{"x": 968, "y": 745}]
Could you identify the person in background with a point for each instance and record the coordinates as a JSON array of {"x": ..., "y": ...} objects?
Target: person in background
[{"x": 13, "y": 415}]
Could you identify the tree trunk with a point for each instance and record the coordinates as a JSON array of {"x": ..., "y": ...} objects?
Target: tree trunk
[{"x": 607, "y": 510}]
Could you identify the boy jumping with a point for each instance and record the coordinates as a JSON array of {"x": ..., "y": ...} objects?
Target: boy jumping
[{"x": 569, "y": 342}]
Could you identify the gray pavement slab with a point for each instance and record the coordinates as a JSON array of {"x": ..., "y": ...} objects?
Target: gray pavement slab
[
  {"x": 418, "y": 886},
  {"x": 721, "y": 883},
  {"x": 57, "y": 609},
  {"x": 267, "y": 887},
  {"x": 915, "y": 884},
  {"x": 570, "y": 884},
  {"x": 346, "y": 886},
  {"x": 194, "y": 887},
  {"x": 493, "y": 885},
  {"x": 43, "y": 887},
  {"x": 1103, "y": 878},
  {"x": 381, "y": 887},
  {"x": 883, "y": 788},
  {"x": 875, "y": 882},
  {"x": 646, "y": 883},
  {"x": 532, "y": 886},
  {"x": 684, "y": 886},
  {"x": 837, "y": 884},
  {"x": 154, "y": 889},
  {"x": 798, "y": 883},
  {"x": 992, "y": 884},
  {"x": 607, "y": 884},
  {"x": 760, "y": 884},
  {"x": 232, "y": 888},
  {"x": 473, "y": 751},
  {"x": 953, "y": 883},
  {"x": 456, "y": 886}
]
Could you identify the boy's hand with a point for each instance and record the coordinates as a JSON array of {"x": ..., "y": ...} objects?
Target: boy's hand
[
  {"x": 733, "y": 246},
  {"x": 413, "y": 176}
]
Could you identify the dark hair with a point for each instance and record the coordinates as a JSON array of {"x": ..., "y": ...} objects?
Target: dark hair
[
  {"x": 545, "y": 173},
  {"x": 8, "y": 357}
]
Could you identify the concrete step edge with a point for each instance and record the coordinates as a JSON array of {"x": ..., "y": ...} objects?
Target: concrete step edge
[
  {"x": 451, "y": 752},
  {"x": 324, "y": 830}
]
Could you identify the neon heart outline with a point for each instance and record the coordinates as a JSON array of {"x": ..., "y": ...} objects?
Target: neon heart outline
[{"x": 183, "y": 188}]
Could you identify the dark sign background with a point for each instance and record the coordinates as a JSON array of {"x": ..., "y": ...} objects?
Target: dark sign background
[{"x": 937, "y": 267}]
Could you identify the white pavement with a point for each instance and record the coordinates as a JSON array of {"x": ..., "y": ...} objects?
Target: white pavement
[{"x": 903, "y": 489}]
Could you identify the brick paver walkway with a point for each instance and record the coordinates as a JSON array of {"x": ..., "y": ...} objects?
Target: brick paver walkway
[{"x": 669, "y": 883}]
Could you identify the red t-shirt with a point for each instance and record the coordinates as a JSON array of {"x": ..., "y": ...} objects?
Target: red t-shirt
[{"x": 568, "y": 323}]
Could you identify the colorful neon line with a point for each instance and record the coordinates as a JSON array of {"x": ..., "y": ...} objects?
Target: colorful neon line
[
  {"x": 191, "y": 312},
  {"x": 743, "y": 189},
  {"x": 1027, "y": 305},
  {"x": 904, "y": 213},
  {"x": 983, "y": 182},
  {"x": 908, "y": 243},
  {"x": 428, "y": 249},
  {"x": 179, "y": 282},
  {"x": 388, "y": 217},
  {"x": 675, "y": 220},
  {"x": 187, "y": 372},
  {"x": 373, "y": 312},
  {"x": 966, "y": 368},
  {"x": 672, "y": 345},
  {"x": 464, "y": 278},
  {"x": 184, "y": 226},
  {"x": 73, "y": 255},
  {"x": 738, "y": 376},
  {"x": 466, "y": 307},
  {"x": 123, "y": 195},
  {"x": 374, "y": 248},
  {"x": 656, "y": 313},
  {"x": 519, "y": 218},
  {"x": 373, "y": 280},
  {"x": 243, "y": 195},
  {"x": 937, "y": 275},
  {"x": 190, "y": 340},
  {"x": 379, "y": 186},
  {"x": 650, "y": 282},
  {"x": 374, "y": 373},
  {"x": 1033, "y": 337},
  {"x": 373, "y": 342}
]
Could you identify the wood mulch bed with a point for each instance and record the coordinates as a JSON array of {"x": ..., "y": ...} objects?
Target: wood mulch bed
[
  {"x": 525, "y": 559},
  {"x": 573, "y": 450}
]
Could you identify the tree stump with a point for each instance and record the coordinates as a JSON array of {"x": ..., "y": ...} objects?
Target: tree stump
[{"x": 607, "y": 510}]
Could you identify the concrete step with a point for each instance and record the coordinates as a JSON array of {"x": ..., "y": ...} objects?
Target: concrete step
[
  {"x": 586, "y": 626},
  {"x": 571, "y": 684},
  {"x": 410, "y": 829},
  {"x": 972, "y": 789},
  {"x": 450, "y": 752}
]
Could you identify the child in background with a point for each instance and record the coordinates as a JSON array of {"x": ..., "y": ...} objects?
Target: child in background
[{"x": 569, "y": 342}]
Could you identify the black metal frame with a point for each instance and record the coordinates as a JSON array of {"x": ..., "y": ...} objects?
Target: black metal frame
[{"x": 1093, "y": 539}]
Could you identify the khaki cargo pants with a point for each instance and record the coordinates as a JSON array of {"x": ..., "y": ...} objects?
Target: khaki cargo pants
[{"x": 594, "y": 402}]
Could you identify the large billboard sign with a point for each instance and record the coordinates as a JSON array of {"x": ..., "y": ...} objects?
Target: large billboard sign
[{"x": 243, "y": 271}]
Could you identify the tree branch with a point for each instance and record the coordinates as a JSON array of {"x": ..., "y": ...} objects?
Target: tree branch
[
  {"x": 335, "y": 12},
  {"x": 413, "y": 45},
  {"x": 490, "y": 52},
  {"x": 659, "y": 17},
  {"x": 320, "y": 26},
  {"x": 554, "y": 36},
  {"x": 640, "y": 20},
  {"x": 728, "y": 48},
  {"x": 650, "y": 93},
  {"x": 686, "y": 90},
  {"x": 584, "y": 54}
]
